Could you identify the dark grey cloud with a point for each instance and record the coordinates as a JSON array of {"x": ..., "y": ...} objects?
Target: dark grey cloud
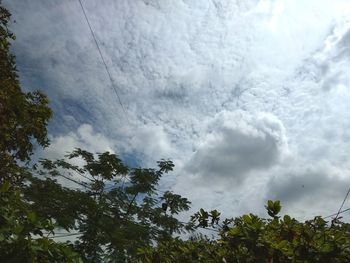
[
  {"x": 309, "y": 184},
  {"x": 310, "y": 190},
  {"x": 237, "y": 145}
]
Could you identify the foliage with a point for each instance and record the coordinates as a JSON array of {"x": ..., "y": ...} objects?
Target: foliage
[
  {"x": 23, "y": 116},
  {"x": 23, "y": 120},
  {"x": 249, "y": 238},
  {"x": 22, "y": 233},
  {"x": 115, "y": 209}
]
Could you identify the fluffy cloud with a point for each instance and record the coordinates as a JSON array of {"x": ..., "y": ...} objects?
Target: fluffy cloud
[
  {"x": 152, "y": 142},
  {"x": 236, "y": 145},
  {"x": 84, "y": 137},
  {"x": 195, "y": 78}
]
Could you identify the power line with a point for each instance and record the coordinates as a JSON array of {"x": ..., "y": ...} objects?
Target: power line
[
  {"x": 102, "y": 58},
  {"x": 342, "y": 204},
  {"x": 338, "y": 213}
]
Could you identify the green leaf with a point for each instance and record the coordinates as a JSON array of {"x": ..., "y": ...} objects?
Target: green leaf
[{"x": 5, "y": 187}]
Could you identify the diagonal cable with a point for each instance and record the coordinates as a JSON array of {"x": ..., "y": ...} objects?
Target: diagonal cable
[
  {"x": 102, "y": 58},
  {"x": 342, "y": 204},
  {"x": 336, "y": 214}
]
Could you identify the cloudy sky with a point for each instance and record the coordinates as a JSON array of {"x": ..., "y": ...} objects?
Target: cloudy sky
[{"x": 249, "y": 98}]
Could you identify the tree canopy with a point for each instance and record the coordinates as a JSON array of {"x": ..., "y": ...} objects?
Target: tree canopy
[
  {"x": 250, "y": 238},
  {"x": 114, "y": 210},
  {"x": 23, "y": 115}
]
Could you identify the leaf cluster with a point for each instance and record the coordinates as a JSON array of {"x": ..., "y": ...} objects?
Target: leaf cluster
[
  {"x": 23, "y": 116},
  {"x": 250, "y": 238},
  {"x": 115, "y": 208}
]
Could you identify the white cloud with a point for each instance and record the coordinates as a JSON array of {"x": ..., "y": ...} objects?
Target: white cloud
[
  {"x": 84, "y": 137},
  {"x": 152, "y": 142},
  {"x": 195, "y": 78}
]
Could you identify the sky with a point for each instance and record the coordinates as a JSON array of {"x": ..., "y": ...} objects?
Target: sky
[{"x": 249, "y": 98}]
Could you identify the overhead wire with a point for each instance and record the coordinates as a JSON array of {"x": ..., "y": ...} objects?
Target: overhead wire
[
  {"x": 342, "y": 204},
  {"x": 103, "y": 59},
  {"x": 337, "y": 214}
]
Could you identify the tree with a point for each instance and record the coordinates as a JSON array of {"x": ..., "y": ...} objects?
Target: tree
[
  {"x": 249, "y": 238},
  {"x": 23, "y": 116},
  {"x": 115, "y": 209},
  {"x": 111, "y": 217},
  {"x": 23, "y": 234},
  {"x": 23, "y": 120}
]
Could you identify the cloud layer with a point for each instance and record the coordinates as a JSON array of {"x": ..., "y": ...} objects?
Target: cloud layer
[{"x": 250, "y": 98}]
